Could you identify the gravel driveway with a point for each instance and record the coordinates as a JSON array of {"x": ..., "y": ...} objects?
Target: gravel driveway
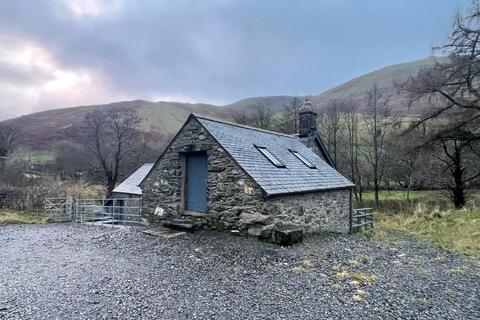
[{"x": 67, "y": 271}]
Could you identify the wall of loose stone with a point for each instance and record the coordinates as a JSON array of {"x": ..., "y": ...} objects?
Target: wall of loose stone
[
  {"x": 234, "y": 200},
  {"x": 315, "y": 212},
  {"x": 229, "y": 190}
]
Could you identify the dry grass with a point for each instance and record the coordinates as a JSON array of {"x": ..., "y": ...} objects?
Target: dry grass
[
  {"x": 10, "y": 217},
  {"x": 78, "y": 189},
  {"x": 456, "y": 230},
  {"x": 396, "y": 201}
]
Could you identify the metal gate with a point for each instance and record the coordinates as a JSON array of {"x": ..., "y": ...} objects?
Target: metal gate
[
  {"x": 114, "y": 212},
  {"x": 59, "y": 209}
]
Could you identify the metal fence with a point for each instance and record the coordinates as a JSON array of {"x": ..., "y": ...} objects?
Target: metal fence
[
  {"x": 31, "y": 201},
  {"x": 114, "y": 212},
  {"x": 125, "y": 211}
]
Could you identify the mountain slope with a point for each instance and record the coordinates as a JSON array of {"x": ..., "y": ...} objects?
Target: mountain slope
[
  {"x": 384, "y": 78},
  {"x": 42, "y": 129}
]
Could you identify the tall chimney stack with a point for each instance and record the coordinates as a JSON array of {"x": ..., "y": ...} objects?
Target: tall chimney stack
[{"x": 307, "y": 119}]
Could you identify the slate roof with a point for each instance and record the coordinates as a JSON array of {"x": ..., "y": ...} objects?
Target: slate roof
[
  {"x": 240, "y": 141},
  {"x": 130, "y": 185}
]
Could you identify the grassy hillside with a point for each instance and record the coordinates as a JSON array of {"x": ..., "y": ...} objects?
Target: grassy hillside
[
  {"x": 42, "y": 129},
  {"x": 385, "y": 78},
  {"x": 275, "y": 103}
]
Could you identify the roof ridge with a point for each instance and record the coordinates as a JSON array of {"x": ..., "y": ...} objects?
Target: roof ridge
[{"x": 244, "y": 126}]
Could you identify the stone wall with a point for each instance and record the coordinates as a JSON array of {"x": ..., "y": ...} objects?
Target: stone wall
[
  {"x": 229, "y": 189},
  {"x": 314, "y": 212},
  {"x": 234, "y": 200}
]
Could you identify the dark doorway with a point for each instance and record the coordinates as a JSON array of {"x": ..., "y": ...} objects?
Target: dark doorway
[{"x": 196, "y": 182}]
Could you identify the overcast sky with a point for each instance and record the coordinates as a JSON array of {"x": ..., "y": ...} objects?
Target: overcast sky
[{"x": 63, "y": 53}]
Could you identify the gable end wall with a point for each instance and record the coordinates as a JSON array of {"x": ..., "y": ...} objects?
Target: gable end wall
[{"x": 227, "y": 185}]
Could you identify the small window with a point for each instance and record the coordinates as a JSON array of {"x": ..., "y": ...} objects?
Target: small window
[
  {"x": 301, "y": 158},
  {"x": 270, "y": 157}
]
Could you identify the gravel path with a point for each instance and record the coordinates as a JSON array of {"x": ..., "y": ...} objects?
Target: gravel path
[{"x": 67, "y": 271}]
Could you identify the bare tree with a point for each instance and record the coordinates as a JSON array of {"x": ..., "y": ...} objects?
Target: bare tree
[
  {"x": 289, "y": 123},
  {"x": 459, "y": 155},
  {"x": 111, "y": 138},
  {"x": 452, "y": 86},
  {"x": 260, "y": 117},
  {"x": 377, "y": 120},
  {"x": 352, "y": 147},
  {"x": 330, "y": 124},
  {"x": 71, "y": 159},
  {"x": 241, "y": 117},
  {"x": 455, "y": 163},
  {"x": 406, "y": 167},
  {"x": 9, "y": 136}
]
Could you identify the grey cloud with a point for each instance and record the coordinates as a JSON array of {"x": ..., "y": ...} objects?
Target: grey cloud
[
  {"x": 221, "y": 51},
  {"x": 21, "y": 76}
]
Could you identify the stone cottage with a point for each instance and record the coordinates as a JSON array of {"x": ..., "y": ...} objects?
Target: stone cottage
[{"x": 227, "y": 176}]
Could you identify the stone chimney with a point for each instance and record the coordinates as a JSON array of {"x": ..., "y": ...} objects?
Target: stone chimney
[{"x": 307, "y": 119}]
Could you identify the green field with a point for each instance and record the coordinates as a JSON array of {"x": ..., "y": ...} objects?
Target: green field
[
  {"x": 397, "y": 202},
  {"x": 430, "y": 216},
  {"x": 402, "y": 195}
]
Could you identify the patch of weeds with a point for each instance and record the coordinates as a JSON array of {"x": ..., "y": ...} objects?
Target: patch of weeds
[
  {"x": 365, "y": 259},
  {"x": 341, "y": 274},
  {"x": 359, "y": 295},
  {"x": 422, "y": 301},
  {"x": 307, "y": 265},
  {"x": 335, "y": 286},
  {"x": 460, "y": 269},
  {"x": 383, "y": 235},
  {"x": 352, "y": 263},
  {"x": 361, "y": 292},
  {"x": 450, "y": 292},
  {"x": 441, "y": 259},
  {"x": 422, "y": 271},
  {"x": 355, "y": 283},
  {"x": 364, "y": 278}
]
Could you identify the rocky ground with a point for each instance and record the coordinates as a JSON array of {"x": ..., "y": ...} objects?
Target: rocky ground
[{"x": 67, "y": 271}]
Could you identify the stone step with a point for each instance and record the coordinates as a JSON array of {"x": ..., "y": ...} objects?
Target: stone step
[
  {"x": 286, "y": 236},
  {"x": 179, "y": 224}
]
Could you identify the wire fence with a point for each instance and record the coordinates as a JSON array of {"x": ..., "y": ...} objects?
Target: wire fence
[{"x": 23, "y": 201}]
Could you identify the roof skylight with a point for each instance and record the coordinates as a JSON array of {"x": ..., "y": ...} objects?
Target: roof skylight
[
  {"x": 302, "y": 158},
  {"x": 274, "y": 160}
]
